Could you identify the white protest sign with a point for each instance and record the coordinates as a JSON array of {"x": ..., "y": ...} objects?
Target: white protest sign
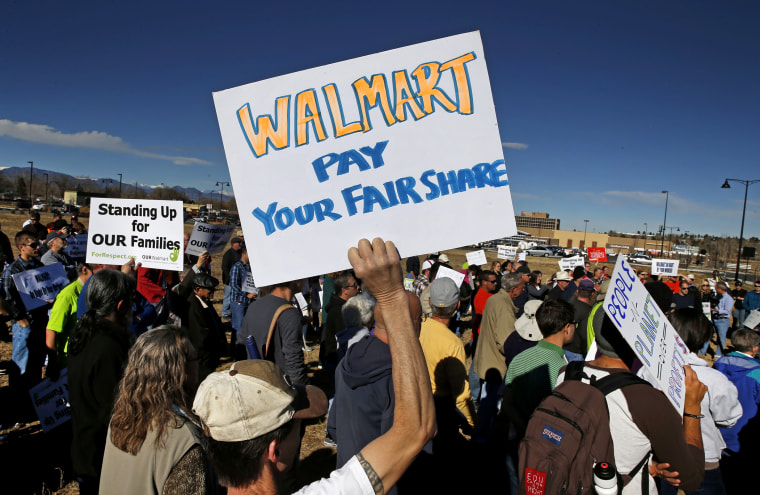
[
  {"x": 249, "y": 285},
  {"x": 706, "y": 310},
  {"x": 506, "y": 252},
  {"x": 752, "y": 320},
  {"x": 454, "y": 275},
  {"x": 476, "y": 258},
  {"x": 51, "y": 401},
  {"x": 571, "y": 262},
  {"x": 302, "y": 305},
  {"x": 522, "y": 256},
  {"x": 356, "y": 149},
  {"x": 150, "y": 231},
  {"x": 648, "y": 331},
  {"x": 208, "y": 237},
  {"x": 39, "y": 285},
  {"x": 665, "y": 267},
  {"x": 408, "y": 284},
  {"x": 76, "y": 246}
]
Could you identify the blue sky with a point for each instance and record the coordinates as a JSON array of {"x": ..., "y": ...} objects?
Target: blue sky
[{"x": 601, "y": 105}]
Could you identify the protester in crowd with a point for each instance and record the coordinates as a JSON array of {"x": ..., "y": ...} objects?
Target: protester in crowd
[
  {"x": 742, "y": 448},
  {"x": 358, "y": 319},
  {"x": 284, "y": 344},
  {"x": 535, "y": 290},
  {"x": 738, "y": 314},
  {"x": 240, "y": 299},
  {"x": 63, "y": 319},
  {"x": 177, "y": 297},
  {"x": 98, "y": 348},
  {"x": 720, "y": 315},
  {"x": 35, "y": 227},
  {"x": 154, "y": 441},
  {"x": 496, "y": 267},
  {"x": 752, "y": 299},
  {"x": 203, "y": 326},
  {"x": 720, "y": 406},
  {"x": 28, "y": 327},
  {"x": 56, "y": 243},
  {"x": 520, "y": 300},
  {"x": 584, "y": 300},
  {"x": 230, "y": 257},
  {"x": 683, "y": 299},
  {"x": 572, "y": 287},
  {"x": 673, "y": 284},
  {"x": 557, "y": 292},
  {"x": 152, "y": 284},
  {"x": 421, "y": 283},
  {"x": 250, "y": 447},
  {"x": 413, "y": 266},
  {"x": 643, "y": 422},
  {"x": 6, "y": 250}
]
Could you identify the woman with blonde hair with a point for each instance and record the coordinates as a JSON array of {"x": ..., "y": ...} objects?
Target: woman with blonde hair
[{"x": 153, "y": 443}]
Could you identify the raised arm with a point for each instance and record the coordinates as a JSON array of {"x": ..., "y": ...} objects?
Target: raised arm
[{"x": 386, "y": 458}]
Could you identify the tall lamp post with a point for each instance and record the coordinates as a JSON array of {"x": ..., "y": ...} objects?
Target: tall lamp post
[
  {"x": 664, "y": 222},
  {"x": 585, "y": 229},
  {"x": 744, "y": 211},
  {"x": 46, "y": 188},
  {"x": 221, "y": 192},
  {"x": 670, "y": 237},
  {"x": 31, "y": 176},
  {"x": 119, "y": 185}
]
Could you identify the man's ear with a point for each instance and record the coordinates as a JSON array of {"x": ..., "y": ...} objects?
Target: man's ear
[
  {"x": 121, "y": 305},
  {"x": 273, "y": 452}
]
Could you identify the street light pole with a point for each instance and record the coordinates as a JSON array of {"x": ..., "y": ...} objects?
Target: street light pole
[
  {"x": 746, "y": 183},
  {"x": 31, "y": 178},
  {"x": 221, "y": 192},
  {"x": 119, "y": 185},
  {"x": 664, "y": 221},
  {"x": 585, "y": 229},
  {"x": 46, "y": 188}
]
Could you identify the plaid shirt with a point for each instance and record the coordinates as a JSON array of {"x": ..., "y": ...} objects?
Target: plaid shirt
[
  {"x": 12, "y": 296},
  {"x": 238, "y": 274}
]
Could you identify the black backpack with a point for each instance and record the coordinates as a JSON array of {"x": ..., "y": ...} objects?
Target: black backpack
[{"x": 569, "y": 432}]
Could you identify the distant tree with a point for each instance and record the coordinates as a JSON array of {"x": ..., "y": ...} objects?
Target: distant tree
[{"x": 21, "y": 189}]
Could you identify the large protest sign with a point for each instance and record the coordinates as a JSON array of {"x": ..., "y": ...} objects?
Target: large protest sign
[
  {"x": 648, "y": 331},
  {"x": 597, "y": 254},
  {"x": 665, "y": 267},
  {"x": 752, "y": 320},
  {"x": 506, "y": 252},
  {"x": 209, "y": 237},
  {"x": 40, "y": 285},
  {"x": 51, "y": 401},
  {"x": 571, "y": 262},
  {"x": 149, "y": 231},
  {"x": 365, "y": 148},
  {"x": 76, "y": 246},
  {"x": 476, "y": 258}
]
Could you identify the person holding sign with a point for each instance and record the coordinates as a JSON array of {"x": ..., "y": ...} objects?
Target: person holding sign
[
  {"x": 203, "y": 324},
  {"x": 28, "y": 326},
  {"x": 643, "y": 421},
  {"x": 239, "y": 298}
]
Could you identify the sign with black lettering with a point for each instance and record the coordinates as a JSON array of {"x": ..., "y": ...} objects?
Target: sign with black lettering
[
  {"x": 40, "y": 285},
  {"x": 209, "y": 237},
  {"x": 51, "y": 401}
]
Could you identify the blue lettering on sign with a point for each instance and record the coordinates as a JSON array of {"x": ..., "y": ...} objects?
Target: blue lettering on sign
[{"x": 552, "y": 435}]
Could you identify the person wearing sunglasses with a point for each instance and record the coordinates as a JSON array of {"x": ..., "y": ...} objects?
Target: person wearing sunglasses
[{"x": 28, "y": 326}]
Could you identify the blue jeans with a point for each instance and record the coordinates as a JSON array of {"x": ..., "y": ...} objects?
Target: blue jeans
[
  {"x": 712, "y": 485},
  {"x": 226, "y": 302},
  {"x": 28, "y": 349},
  {"x": 238, "y": 310},
  {"x": 738, "y": 315},
  {"x": 721, "y": 326}
]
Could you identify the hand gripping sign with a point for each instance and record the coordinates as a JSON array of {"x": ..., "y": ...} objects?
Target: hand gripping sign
[
  {"x": 366, "y": 148},
  {"x": 647, "y": 330}
]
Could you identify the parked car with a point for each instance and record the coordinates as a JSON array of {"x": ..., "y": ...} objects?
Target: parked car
[
  {"x": 641, "y": 259},
  {"x": 38, "y": 207},
  {"x": 541, "y": 251},
  {"x": 70, "y": 209}
]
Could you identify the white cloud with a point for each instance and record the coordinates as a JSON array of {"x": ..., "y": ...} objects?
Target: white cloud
[
  {"x": 44, "y": 134},
  {"x": 515, "y": 146}
]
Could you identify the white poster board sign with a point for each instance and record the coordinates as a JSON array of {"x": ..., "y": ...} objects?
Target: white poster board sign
[
  {"x": 40, "y": 285},
  {"x": 446, "y": 272},
  {"x": 522, "y": 256},
  {"x": 571, "y": 262},
  {"x": 648, "y": 331},
  {"x": 409, "y": 284},
  {"x": 76, "y": 246},
  {"x": 706, "y": 310},
  {"x": 752, "y": 320},
  {"x": 358, "y": 148},
  {"x": 506, "y": 252},
  {"x": 476, "y": 258},
  {"x": 209, "y": 237},
  {"x": 249, "y": 285},
  {"x": 150, "y": 231},
  {"x": 51, "y": 401},
  {"x": 666, "y": 267},
  {"x": 302, "y": 304}
]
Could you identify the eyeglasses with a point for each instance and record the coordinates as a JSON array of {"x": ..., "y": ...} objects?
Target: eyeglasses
[
  {"x": 33, "y": 245},
  {"x": 491, "y": 281}
]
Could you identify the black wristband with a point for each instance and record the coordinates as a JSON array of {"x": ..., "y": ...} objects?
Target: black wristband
[{"x": 697, "y": 416}]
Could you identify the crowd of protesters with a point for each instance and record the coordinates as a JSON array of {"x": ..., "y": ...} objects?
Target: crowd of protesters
[{"x": 150, "y": 413}]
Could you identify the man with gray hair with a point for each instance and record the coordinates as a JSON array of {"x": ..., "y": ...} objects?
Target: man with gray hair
[
  {"x": 358, "y": 314},
  {"x": 498, "y": 323},
  {"x": 720, "y": 317}
]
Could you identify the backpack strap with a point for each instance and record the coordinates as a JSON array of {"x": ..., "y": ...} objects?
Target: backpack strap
[
  {"x": 590, "y": 333},
  {"x": 574, "y": 370},
  {"x": 276, "y": 316}
]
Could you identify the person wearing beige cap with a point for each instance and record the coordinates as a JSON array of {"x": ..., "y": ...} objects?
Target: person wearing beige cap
[
  {"x": 563, "y": 279},
  {"x": 251, "y": 414}
]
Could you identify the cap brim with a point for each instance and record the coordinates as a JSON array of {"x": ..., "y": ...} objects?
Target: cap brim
[{"x": 310, "y": 402}]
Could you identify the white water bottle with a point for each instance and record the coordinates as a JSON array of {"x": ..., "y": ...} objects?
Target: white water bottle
[{"x": 605, "y": 479}]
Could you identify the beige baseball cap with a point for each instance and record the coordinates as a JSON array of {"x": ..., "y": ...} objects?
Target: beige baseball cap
[{"x": 251, "y": 399}]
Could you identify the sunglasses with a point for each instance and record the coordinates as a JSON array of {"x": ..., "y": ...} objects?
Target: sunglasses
[{"x": 32, "y": 245}]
